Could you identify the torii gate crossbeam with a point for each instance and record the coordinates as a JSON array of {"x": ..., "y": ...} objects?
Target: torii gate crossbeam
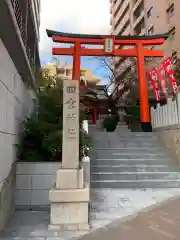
[{"x": 111, "y": 44}]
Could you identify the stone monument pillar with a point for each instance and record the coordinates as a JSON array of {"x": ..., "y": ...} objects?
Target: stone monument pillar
[{"x": 70, "y": 195}]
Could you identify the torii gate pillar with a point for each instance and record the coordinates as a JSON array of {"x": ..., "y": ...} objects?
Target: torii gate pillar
[{"x": 143, "y": 91}]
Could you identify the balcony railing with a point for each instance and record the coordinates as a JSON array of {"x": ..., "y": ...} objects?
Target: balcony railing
[
  {"x": 22, "y": 11},
  {"x": 21, "y": 21},
  {"x": 169, "y": 3}
]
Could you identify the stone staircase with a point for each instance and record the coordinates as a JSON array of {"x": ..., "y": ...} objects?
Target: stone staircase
[{"x": 125, "y": 159}]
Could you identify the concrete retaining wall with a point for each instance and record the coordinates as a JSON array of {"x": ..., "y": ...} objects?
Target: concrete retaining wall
[
  {"x": 7, "y": 188},
  {"x": 170, "y": 138},
  {"x": 33, "y": 182},
  {"x": 15, "y": 104}
]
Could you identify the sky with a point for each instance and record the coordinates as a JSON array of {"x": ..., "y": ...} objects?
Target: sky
[{"x": 74, "y": 16}]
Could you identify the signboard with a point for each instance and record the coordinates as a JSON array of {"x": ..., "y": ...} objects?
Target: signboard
[
  {"x": 70, "y": 149},
  {"x": 109, "y": 45}
]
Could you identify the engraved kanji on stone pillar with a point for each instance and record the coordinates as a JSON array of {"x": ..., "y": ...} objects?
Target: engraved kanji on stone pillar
[{"x": 70, "y": 152}]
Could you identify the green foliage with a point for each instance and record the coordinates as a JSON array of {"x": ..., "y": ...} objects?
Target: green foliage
[
  {"x": 41, "y": 138},
  {"x": 85, "y": 143},
  {"x": 82, "y": 116},
  {"x": 110, "y": 123},
  {"x": 46, "y": 79},
  {"x": 134, "y": 111}
]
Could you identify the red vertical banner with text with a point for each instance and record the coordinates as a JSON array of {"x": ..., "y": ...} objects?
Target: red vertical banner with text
[
  {"x": 168, "y": 67},
  {"x": 162, "y": 79},
  {"x": 153, "y": 77}
]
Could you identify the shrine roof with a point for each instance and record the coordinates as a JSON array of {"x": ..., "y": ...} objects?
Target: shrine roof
[{"x": 51, "y": 33}]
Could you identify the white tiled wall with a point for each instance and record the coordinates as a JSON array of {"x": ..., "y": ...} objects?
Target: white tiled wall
[{"x": 15, "y": 103}]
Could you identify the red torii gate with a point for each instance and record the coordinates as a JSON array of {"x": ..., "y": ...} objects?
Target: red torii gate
[{"x": 111, "y": 44}]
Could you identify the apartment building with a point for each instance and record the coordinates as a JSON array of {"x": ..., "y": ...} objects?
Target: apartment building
[
  {"x": 19, "y": 64},
  {"x": 65, "y": 72},
  {"x": 139, "y": 17}
]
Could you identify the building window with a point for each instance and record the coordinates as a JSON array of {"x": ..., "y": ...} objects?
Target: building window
[
  {"x": 121, "y": 17},
  {"x": 149, "y": 13},
  {"x": 126, "y": 25},
  {"x": 174, "y": 57},
  {"x": 172, "y": 33},
  {"x": 139, "y": 28},
  {"x": 139, "y": 10},
  {"x": 151, "y": 31},
  {"x": 119, "y": 7},
  {"x": 134, "y": 2},
  {"x": 170, "y": 11}
]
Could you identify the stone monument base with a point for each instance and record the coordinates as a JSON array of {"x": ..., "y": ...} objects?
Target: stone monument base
[
  {"x": 122, "y": 123},
  {"x": 69, "y": 227},
  {"x": 69, "y": 202},
  {"x": 70, "y": 178}
]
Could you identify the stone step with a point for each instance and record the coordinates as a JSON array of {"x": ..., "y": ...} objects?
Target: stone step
[
  {"x": 134, "y": 144},
  {"x": 139, "y": 149},
  {"x": 133, "y": 168},
  {"x": 140, "y": 153},
  {"x": 119, "y": 141},
  {"x": 136, "y": 184},
  {"x": 122, "y": 128},
  {"x": 130, "y": 134},
  {"x": 134, "y": 176},
  {"x": 125, "y": 135},
  {"x": 116, "y": 147},
  {"x": 130, "y": 155},
  {"x": 131, "y": 162},
  {"x": 137, "y": 134},
  {"x": 130, "y": 143},
  {"x": 132, "y": 139},
  {"x": 119, "y": 126}
]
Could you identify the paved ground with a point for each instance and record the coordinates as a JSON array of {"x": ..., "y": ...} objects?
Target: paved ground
[
  {"x": 112, "y": 204},
  {"x": 109, "y": 205},
  {"x": 159, "y": 224}
]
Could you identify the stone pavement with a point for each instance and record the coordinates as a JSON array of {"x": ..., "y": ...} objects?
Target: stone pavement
[
  {"x": 161, "y": 223},
  {"x": 108, "y": 205}
]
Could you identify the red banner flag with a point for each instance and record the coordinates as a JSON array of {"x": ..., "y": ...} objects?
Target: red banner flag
[
  {"x": 168, "y": 67},
  {"x": 162, "y": 79},
  {"x": 153, "y": 77}
]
